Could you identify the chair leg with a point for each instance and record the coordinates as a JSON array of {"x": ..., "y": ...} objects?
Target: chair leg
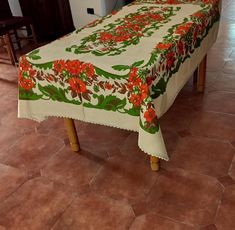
[
  {"x": 202, "y": 75},
  {"x": 71, "y": 130},
  {"x": 154, "y": 162},
  {"x": 17, "y": 39},
  {"x": 10, "y": 48},
  {"x": 34, "y": 35}
]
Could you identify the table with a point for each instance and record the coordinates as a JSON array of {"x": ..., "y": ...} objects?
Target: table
[{"x": 123, "y": 70}]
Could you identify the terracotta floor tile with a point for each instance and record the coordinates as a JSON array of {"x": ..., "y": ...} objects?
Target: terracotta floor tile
[
  {"x": 118, "y": 172},
  {"x": 10, "y": 179},
  {"x": 209, "y": 227},
  {"x": 73, "y": 169},
  {"x": 216, "y": 102},
  {"x": 215, "y": 63},
  {"x": 8, "y": 136},
  {"x": 214, "y": 125},
  {"x": 124, "y": 179},
  {"x": 184, "y": 197},
  {"x": 35, "y": 205},
  {"x": 102, "y": 140},
  {"x": 188, "y": 97},
  {"x": 232, "y": 170},
  {"x": 130, "y": 150},
  {"x": 7, "y": 106},
  {"x": 171, "y": 139},
  {"x": 229, "y": 67},
  {"x": 32, "y": 152},
  {"x": 225, "y": 82},
  {"x": 55, "y": 127},
  {"x": 226, "y": 180},
  {"x": 203, "y": 156},
  {"x": 226, "y": 213},
  {"x": 153, "y": 221},
  {"x": 11, "y": 120},
  {"x": 92, "y": 211},
  {"x": 178, "y": 122}
]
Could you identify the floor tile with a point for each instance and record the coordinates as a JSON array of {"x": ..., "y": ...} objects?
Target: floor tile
[
  {"x": 36, "y": 205},
  {"x": 10, "y": 179},
  {"x": 102, "y": 140},
  {"x": 153, "y": 221},
  {"x": 8, "y": 136},
  {"x": 229, "y": 67},
  {"x": 177, "y": 118},
  {"x": 226, "y": 180},
  {"x": 11, "y": 120},
  {"x": 213, "y": 125},
  {"x": 130, "y": 150},
  {"x": 55, "y": 126},
  {"x": 184, "y": 197},
  {"x": 92, "y": 211},
  {"x": 73, "y": 169},
  {"x": 225, "y": 82},
  {"x": 232, "y": 170},
  {"x": 216, "y": 102},
  {"x": 226, "y": 213},
  {"x": 124, "y": 179},
  {"x": 32, "y": 152},
  {"x": 203, "y": 156},
  {"x": 209, "y": 227}
]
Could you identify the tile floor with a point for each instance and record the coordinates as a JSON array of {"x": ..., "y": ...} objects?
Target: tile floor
[{"x": 43, "y": 185}]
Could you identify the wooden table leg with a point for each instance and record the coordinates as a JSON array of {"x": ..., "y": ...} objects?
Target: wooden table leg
[
  {"x": 201, "y": 76},
  {"x": 154, "y": 162},
  {"x": 72, "y": 134}
]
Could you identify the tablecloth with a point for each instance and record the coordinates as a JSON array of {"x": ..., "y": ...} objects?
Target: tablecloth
[{"x": 123, "y": 70}]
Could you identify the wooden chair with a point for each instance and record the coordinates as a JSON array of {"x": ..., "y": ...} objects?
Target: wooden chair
[{"x": 9, "y": 25}]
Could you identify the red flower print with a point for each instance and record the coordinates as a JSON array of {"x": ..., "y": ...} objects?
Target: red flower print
[
  {"x": 135, "y": 99},
  {"x": 180, "y": 47},
  {"x": 134, "y": 78},
  {"x": 24, "y": 64},
  {"x": 77, "y": 85},
  {"x": 173, "y": 2},
  {"x": 149, "y": 115},
  {"x": 170, "y": 59},
  {"x": 136, "y": 27},
  {"x": 108, "y": 86},
  {"x": 26, "y": 84},
  {"x": 59, "y": 65},
  {"x": 198, "y": 14},
  {"x": 130, "y": 86},
  {"x": 149, "y": 80},
  {"x": 114, "y": 12},
  {"x": 32, "y": 73},
  {"x": 88, "y": 69},
  {"x": 183, "y": 29},
  {"x": 122, "y": 38},
  {"x": 163, "y": 46},
  {"x": 74, "y": 67},
  {"x": 156, "y": 17},
  {"x": 144, "y": 91},
  {"x": 105, "y": 36}
]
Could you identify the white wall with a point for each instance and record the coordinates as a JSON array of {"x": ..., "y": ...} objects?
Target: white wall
[
  {"x": 15, "y": 7},
  {"x": 101, "y": 7},
  {"x": 79, "y": 9}
]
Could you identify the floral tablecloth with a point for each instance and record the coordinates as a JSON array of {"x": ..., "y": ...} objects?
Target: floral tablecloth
[{"x": 123, "y": 70}]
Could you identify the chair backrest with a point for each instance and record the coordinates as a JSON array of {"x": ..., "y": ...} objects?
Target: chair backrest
[{"x": 5, "y": 10}]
